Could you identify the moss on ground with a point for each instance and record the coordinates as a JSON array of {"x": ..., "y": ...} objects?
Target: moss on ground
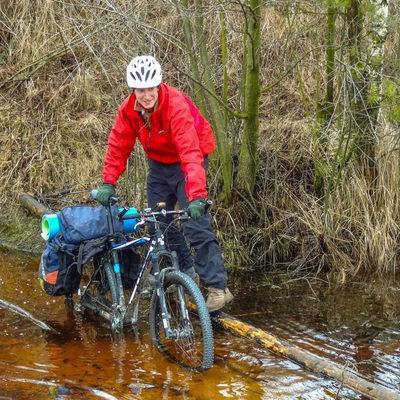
[{"x": 21, "y": 231}]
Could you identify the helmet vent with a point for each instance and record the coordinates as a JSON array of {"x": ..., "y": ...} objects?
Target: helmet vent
[{"x": 144, "y": 72}]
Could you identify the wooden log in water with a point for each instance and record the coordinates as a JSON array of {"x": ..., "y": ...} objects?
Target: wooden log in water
[
  {"x": 31, "y": 204},
  {"x": 330, "y": 369}
]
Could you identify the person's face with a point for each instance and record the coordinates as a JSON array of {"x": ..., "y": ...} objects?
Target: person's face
[{"x": 147, "y": 97}]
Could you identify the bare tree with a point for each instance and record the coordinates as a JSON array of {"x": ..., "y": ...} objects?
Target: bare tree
[
  {"x": 201, "y": 70},
  {"x": 248, "y": 160}
]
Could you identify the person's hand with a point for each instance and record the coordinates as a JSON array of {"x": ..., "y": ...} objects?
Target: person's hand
[
  {"x": 104, "y": 193},
  {"x": 197, "y": 208}
]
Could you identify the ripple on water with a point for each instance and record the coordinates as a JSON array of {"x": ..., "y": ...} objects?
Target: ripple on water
[{"x": 81, "y": 361}]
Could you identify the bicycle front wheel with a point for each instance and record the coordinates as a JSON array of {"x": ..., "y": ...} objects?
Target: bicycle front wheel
[{"x": 189, "y": 340}]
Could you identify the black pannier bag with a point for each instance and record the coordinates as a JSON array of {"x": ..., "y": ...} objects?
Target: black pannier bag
[
  {"x": 129, "y": 262},
  {"x": 60, "y": 267},
  {"x": 130, "y": 265}
]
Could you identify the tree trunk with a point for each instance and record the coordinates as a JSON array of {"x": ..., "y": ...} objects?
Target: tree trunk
[
  {"x": 36, "y": 208},
  {"x": 204, "y": 85},
  {"x": 23, "y": 313},
  {"x": 325, "y": 108},
  {"x": 248, "y": 158},
  {"x": 367, "y": 80}
]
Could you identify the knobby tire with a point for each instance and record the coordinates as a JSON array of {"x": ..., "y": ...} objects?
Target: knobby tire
[{"x": 193, "y": 348}]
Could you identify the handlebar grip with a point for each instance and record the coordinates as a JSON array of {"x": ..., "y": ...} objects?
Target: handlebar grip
[
  {"x": 132, "y": 216},
  {"x": 209, "y": 203},
  {"x": 94, "y": 194}
]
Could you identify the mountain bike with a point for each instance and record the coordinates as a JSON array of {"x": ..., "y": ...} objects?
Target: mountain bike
[{"x": 180, "y": 324}]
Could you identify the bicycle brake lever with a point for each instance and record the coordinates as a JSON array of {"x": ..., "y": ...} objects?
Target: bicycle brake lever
[{"x": 141, "y": 222}]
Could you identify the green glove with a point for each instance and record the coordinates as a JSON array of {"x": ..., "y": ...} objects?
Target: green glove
[
  {"x": 197, "y": 208},
  {"x": 104, "y": 193}
]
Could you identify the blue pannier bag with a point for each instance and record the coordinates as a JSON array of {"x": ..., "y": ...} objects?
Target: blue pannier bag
[
  {"x": 83, "y": 234},
  {"x": 80, "y": 223}
]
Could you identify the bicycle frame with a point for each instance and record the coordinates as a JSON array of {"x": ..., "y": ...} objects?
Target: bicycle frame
[{"x": 157, "y": 249}]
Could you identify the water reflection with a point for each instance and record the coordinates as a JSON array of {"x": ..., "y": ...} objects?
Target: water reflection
[{"x": 82, "y": 361}]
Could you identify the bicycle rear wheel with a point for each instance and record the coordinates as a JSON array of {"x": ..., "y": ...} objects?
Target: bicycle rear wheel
[
  {"x": 192, "y": 342},
  {"x": 99, "y": 293}
]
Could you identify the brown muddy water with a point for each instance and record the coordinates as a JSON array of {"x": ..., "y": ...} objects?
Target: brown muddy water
[{"x": 357, "y": 327}]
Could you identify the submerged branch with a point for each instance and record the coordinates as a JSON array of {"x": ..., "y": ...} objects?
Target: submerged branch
[{"x": 23, "y": 313}]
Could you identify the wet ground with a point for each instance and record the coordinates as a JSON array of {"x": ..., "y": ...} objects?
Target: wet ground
[{"x": 357, "y": 327}]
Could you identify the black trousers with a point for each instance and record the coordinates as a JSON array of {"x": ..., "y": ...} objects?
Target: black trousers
[{"x": 166, "y": 183}]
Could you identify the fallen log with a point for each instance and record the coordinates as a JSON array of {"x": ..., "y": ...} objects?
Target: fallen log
[
  {"x": 31, "y": 204},
  {"x": 341, "y": 374},
  {"x": 23, "y": 313}
]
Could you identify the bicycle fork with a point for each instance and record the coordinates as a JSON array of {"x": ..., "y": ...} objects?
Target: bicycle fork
[
  {"x": 119, "y": 309},
  {"x": 165, "y": 317}
]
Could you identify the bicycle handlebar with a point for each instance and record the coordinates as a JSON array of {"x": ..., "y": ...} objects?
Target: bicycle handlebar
[
  {"x": 148, "y": 213},
  {"x": 158, "y": 210}
]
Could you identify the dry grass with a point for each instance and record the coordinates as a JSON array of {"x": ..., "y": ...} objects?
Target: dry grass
[{"x": 62, "y": 67}]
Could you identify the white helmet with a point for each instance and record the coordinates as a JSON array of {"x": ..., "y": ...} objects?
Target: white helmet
[{"x": 143, "y": 72}]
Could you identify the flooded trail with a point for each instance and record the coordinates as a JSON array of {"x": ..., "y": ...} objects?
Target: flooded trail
[{"x": 81, "y": 360}]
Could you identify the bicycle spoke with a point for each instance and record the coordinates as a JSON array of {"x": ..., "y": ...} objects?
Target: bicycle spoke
[
  {"x": 99, "y": 294},
  {"x": 190, "y": 343}
]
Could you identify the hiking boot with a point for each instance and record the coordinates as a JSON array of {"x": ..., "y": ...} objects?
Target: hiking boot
[{"x": 217, "y": 298}]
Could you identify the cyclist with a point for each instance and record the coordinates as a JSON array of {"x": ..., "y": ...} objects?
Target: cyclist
[{"x": 163, "y": 120}]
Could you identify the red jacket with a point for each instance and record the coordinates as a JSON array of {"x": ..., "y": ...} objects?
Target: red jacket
[{"x": 173, "y": 138}]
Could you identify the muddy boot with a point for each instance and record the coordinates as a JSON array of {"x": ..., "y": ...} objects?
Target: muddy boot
[{"x": 218, "y": 298}]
